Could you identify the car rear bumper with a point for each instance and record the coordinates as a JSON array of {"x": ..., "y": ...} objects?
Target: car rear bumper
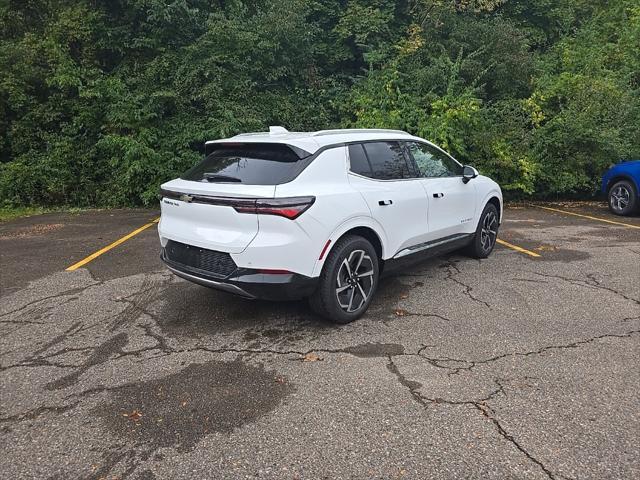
[{"x": 249, "y": 283}]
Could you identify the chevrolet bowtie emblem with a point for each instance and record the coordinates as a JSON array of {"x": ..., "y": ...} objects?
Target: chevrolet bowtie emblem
[{"x": 186, "y": 198}]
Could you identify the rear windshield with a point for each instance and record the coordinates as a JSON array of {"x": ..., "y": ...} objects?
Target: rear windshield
[{"x": 249, "y": 163}]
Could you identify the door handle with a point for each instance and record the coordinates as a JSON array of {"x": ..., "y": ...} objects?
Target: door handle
[
  {"x": 438, "y": 195},
  {"x": 385, "y": 202}
]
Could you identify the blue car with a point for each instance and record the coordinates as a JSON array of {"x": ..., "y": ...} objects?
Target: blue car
[{"x": 621, "y": 186}]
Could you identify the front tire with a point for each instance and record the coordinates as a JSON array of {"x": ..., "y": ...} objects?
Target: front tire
[
  {"x": 348, "y": 281},
  {"x": 623, "y": 198},
  {"x": 486, "y": 233}
]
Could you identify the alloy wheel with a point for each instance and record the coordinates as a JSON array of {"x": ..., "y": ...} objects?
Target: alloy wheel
[
  {"x": 354, "y": 282},
  {"x": 620, "y": 198},
  {"x": 489, "y": 231}
]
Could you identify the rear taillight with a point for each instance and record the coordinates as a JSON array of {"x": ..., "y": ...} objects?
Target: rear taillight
[{"x": 291, "y": 207}]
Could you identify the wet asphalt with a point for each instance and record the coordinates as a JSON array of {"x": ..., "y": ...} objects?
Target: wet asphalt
[{"x": 509, "y": 367}]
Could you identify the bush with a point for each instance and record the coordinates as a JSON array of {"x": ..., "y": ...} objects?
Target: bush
[{"x": 101, "y": 101}]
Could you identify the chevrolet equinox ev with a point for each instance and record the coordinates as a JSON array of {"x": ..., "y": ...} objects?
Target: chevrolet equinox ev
[{"x": 286, "y": 215}]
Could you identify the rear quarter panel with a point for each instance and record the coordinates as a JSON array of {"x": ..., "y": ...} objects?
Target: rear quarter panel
[{"x": 297, "y": 245}]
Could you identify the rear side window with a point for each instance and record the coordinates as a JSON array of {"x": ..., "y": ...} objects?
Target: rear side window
[
  {"x": 379, "y": 160},
  {"x": 249, "y": 163},
  {"x": 358, "y": 161}
]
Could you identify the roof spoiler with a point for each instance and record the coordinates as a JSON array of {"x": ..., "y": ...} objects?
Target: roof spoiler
[{"x": 211, "y": 147}]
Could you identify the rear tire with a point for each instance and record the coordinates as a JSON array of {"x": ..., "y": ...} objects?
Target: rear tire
[
  {"x": 623, "y": 198},
  {"x": 348, "y": 281},
  {"x": 486, "y": 233}
]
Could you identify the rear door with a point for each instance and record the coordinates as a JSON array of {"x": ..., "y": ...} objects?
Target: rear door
[
  {"x": 380, "y": 171},
  {"x": 204, "y": 208},
  {"x": 451, "y": 201}
]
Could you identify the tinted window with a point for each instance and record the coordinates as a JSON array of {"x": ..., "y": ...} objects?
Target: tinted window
[
  {"x": 431, "y": 162},
  {"x": 387, "y": 160},
  {"x": 358, "y": 160},
  {"x": 249, "y": 163}
]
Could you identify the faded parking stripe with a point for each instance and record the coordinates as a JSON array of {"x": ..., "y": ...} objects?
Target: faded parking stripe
[
  {"x": 598, "y": 219},
  {"x": 95, "y": 255},
  {"x": 517, "y": 248}
]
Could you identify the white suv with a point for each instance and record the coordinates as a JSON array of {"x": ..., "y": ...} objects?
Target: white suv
[{"x": 287, "y": 215}]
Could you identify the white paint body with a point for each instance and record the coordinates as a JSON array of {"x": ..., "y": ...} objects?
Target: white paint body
[{"x": 344, "y": 201}]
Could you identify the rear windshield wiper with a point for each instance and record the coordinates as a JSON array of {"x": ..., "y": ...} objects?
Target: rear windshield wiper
[{"x": 215, "y": 177}]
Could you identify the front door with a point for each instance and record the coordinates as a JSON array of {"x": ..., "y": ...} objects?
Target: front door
[{"x": 451, "y": 201}]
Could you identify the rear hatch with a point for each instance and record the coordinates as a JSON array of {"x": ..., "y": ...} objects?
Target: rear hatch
[{"x": 210, "y": 206}]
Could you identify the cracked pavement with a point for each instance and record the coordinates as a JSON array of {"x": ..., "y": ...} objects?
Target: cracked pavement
[{"x": 510, "y": 367}]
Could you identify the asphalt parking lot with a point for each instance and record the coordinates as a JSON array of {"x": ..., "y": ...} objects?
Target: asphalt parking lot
[{"x": 524, "y": 365}]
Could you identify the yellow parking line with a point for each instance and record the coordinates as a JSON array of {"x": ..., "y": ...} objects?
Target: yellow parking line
[
  {"x": 518, "y": 249},
  {"x": 95, "y": 255},
  {"x": 589, "y": 217}
]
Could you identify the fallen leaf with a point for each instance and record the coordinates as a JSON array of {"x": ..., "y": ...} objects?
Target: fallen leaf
[
  {"x": 401, "y": 313},
  {"x": 404, "y": 295},
  {"x": 311, "y": 357},
  {"x": 134, "y": 415}
]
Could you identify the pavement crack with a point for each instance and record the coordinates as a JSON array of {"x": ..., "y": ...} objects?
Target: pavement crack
[
  {"x": 445, "y": 363},
  {"x": 440, "y": 362},
  {"x": 36, "y": 412},
  {"x": 592, "y": 282},
  {"x": 487, "y": 413},
  {"x": 94, "y": 390},
  {"x": 480, "y": 405},
  {"x": 251, "y": 351},
  {"x": 452, "y": 272},
  {"x": 36, "y": 359},
  {"x": 100, "y": 354},
  {"x": 529, "y": 280},
  {"x": 161, "y": 341},
  {"x": 41, "y": 362},
  {"x": 409, "y": 384},
  {"x": 401, "y": 312},
  {"x": 65, "y": 293},
  {"x": 23, "y": 322}
]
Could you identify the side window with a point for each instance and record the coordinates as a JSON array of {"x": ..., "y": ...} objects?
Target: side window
[
  {"x": 358, "y": 161},
  {"x": 432, "y": 162},
  {"x": 387, "y": 160}
]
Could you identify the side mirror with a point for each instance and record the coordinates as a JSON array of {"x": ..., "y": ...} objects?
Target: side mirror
[{"x": 468, "y": 173}]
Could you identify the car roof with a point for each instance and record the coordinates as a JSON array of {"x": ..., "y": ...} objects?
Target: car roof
[{"x": 313, "y": 141}]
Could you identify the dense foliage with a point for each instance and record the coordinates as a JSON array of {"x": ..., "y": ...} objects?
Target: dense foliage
[{"x": 102, "y": 100}]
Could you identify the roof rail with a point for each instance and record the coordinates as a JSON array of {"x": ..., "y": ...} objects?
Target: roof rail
[{"x": 357, "y": 130}]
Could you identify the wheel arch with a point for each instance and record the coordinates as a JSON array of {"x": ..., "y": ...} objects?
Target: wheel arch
[
  {"x": 498, "y": 204},
  {"x": 493, "y": 196},
  {"x": 364, "y": 227},
  {"x": 369, "y": 234},
  {"x": 621, "y": 176}
]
